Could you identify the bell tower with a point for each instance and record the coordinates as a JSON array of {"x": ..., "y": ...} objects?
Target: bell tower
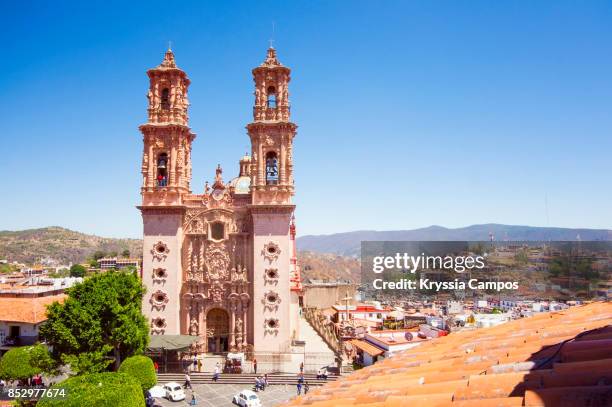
[
  {"x": 166, "y": 174},
  {"x": 166, "y": 163},
  {"x": 271, "y": 134}
]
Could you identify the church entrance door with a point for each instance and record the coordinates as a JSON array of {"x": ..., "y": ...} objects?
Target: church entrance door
[{"x": 217, "y": 327}]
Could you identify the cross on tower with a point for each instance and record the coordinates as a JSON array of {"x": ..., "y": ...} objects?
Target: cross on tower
[{"x": 272, "y": 39}]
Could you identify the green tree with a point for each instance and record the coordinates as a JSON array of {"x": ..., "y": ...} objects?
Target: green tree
[
  {"x": 26, "y": 361},
  {"x": 113, "y": 254},
  {"x": 142, "y": 369},
  {"x": 97, "y": 390},
  {"x": 125, "y": 253},
  {"x": 77, "y": 270},
  {"x": 98, "y": 254},
  {"x": 100, "y": 322}
]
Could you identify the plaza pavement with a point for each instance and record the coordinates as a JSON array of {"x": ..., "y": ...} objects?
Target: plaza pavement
[{"x": 217, "y": 395}]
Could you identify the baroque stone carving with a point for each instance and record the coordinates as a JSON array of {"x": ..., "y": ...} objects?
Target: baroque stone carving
[
  {"x": 216, "y": 293},
  {"x": 158, "y": 326},
  {"x": 159, "y": 299},
  {"x": 193, "y": 327},
  {"x": 159, "y": 275},
  {"x": 239, "y": 274},
  {"x": 271, "y": 276},
  {"x": 271, "y": 300},
  {"x": 160, "y": 251},
  {"x": 271, "y": 325},
  {"x": 271, "y": 251},
  {"x": 217, "y": 261}
]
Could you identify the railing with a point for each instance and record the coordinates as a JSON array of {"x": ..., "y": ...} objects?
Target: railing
[{"x": 320, "y": 324}]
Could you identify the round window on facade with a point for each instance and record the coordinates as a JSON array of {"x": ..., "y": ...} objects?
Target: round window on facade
[{"x": 272, "y": 323}]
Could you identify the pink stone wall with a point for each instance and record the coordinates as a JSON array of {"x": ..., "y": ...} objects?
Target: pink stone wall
[
  {"x": 271, "y": 228},
  {"x": 165, "y": 228}
]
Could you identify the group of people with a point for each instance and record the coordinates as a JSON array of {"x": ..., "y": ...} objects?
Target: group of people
[
  {"x": 261, "y": 382},
  {"x": 302, "y": 384}
]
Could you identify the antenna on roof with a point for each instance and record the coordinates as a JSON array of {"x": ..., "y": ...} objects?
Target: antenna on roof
[{"x": 169, "y": 45}]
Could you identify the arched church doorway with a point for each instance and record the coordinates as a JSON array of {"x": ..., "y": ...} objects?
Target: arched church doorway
[{"x": 217, "y": 329}]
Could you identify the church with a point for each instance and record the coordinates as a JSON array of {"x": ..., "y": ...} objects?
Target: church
[{"x": 220, "y": 263}]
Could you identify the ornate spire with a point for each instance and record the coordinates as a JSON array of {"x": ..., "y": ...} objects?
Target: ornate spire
[
  {"x": 168, "y": 61},
  {"x": 218, "y": 178},
  {"x": 271, "y": 59}
]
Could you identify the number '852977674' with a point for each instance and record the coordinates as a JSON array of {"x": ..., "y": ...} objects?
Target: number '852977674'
[{"x": 28, "y": 393}]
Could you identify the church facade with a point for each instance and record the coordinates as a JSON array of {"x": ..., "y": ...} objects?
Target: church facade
[{"x": 220, "y": 263}]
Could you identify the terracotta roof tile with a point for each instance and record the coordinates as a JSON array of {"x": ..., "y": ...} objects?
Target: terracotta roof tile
[
  {"x": 31, "y": 310},
  {"x": 552, "y": 359}
]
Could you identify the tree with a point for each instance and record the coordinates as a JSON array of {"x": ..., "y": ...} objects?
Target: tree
[
  {"x": 26, "y": 361},
  {"x": 142, "y": 369},
  {"x": 126, "y": 253},
  {"x": 113, "y": 254},
  {"x": 98, "y": 254},
  {"x": 76, "y": 270},
  {"x": 97, "y": 390},
  {"x": 100, "y": 322}
]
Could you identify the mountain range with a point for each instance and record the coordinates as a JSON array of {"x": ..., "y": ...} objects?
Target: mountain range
[
  {"x": 321, "y": 256},
  {"x": 349, "y": 243}
]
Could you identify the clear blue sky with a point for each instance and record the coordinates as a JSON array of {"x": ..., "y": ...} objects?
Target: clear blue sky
[{"x": 409, "y": 113}]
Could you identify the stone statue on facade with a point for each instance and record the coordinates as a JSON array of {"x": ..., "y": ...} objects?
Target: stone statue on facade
[{"x": 193, "y": 327}]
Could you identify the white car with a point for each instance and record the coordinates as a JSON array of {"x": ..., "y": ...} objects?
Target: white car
[
  {"x": 174, "y": 391},
  {"x": 247, "y": 398}
]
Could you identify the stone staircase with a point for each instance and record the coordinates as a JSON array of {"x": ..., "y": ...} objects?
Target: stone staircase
[{"x": 248, "y": 378}]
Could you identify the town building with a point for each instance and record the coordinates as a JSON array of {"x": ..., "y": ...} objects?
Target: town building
[
  {"x": 110, "y": 263},
  {"x": 23, "y": 308},
  {"x": 372, "y": 312},
  {"x": 325, "y": 294},
  {"x": 220, "y": 263}
]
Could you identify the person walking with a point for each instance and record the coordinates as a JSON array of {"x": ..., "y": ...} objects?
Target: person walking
[
  {"x": 299, "y": 387},
  {"x": 255, "y": 365},
  {"x": 306, "y": 387},
  {"x": 302, "y": 367},
  {"x": 199, "y": 365},
  {"x": 217, "y": 372},
  {"x": 187, "y": 381},
  {"x": 156, "y": 366}
]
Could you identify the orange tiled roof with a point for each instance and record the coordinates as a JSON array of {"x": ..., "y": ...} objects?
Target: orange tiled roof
[
  {"x": 551, "y": 359},
  {"x": 367, "y": 347},
  {"x": 30, "y": 309}
]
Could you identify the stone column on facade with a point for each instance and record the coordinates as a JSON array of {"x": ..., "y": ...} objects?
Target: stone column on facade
[
  {"x": 204, "y": 329},
  {"x": 281, "y": 163},
  {"x": 172, "y": 173},
  {"x": 186, "y": 316},
  {"x": 232, "y": 333},
  {"x": 152, "y": 165},
  {"x": 261, "y": 179}
]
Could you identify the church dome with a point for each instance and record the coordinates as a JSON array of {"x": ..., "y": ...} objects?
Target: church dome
[{"x": 241, "y": 184}]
